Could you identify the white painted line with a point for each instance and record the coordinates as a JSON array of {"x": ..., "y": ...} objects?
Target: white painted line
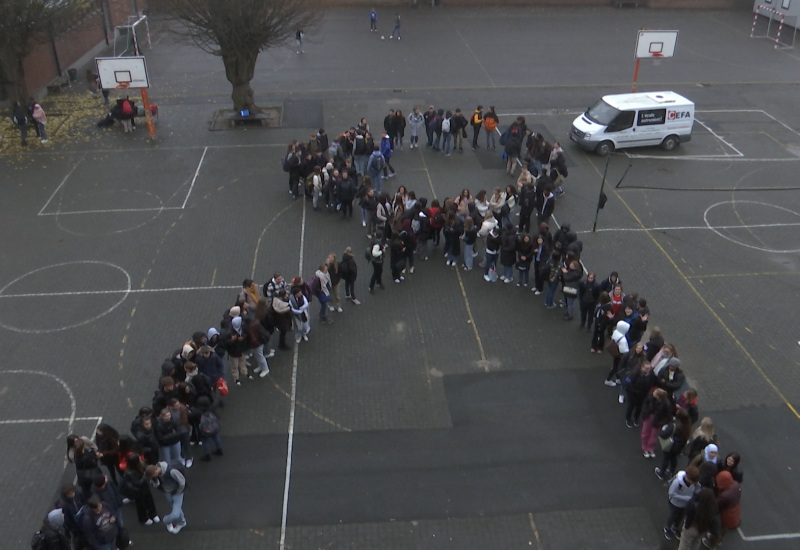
[
  {"x": 48, "y": 420},
  {"x": 60, "y": 185},
  {"x": 194, "y": 179},
  {"x": 292, "y": 404},
  {"x": 72, "y": 404},
  {"x": 119, "y": 291},
  {"x": 691, "y": 227},
  {"x": 719, "y": 137},
  {"x": 111, "y": 210},
  {"x": 756, "y": 538},
  {"x": 124, "y": 292}
]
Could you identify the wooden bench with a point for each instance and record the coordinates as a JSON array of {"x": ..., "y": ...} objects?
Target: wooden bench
[
  {"x": 254, "y": 118},
  {"x": 58, "y": 85}
]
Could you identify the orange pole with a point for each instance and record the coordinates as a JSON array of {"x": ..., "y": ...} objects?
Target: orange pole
[
  {"x": 635, "y": 76},
  {"x": 151, "y": 128}
]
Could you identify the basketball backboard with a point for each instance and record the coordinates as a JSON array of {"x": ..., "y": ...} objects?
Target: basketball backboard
[
  {"x": 122, "y": 72},
  {"x": 656, "y": 44}
]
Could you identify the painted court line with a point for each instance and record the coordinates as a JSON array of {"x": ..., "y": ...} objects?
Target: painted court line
[
  {"x": 60, "y": 185},
  {"x": 117, "y": 291},
  {"x": 110, "y": 210},
  {"x": 194, "y": 179},
  {"x": 691, "y": 227},
  {"x": 780, "y": 536},
  {"x": 47, "y": 420}
]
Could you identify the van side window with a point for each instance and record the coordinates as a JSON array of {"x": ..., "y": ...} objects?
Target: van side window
[
  {"x": 623, "y": 121},
  {"x": 651, "y": 117}
]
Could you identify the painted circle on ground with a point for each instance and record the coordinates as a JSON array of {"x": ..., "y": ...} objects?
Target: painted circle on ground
[
  {"x": 757, "y": 225},
  {"x": 62, "y": 296},
  {"x": 108, "y": 217}
]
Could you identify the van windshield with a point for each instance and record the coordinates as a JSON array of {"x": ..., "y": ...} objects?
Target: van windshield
[{"x": 602, "y": 113}]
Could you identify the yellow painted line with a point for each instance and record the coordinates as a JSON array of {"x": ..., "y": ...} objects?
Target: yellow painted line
[
  {"x": 427, "y": 174},
  {"x": 424, "y": 350},
  {"x": 472, "y": 321},
  {"x": 535, "y": 531},
  {"x": 705, "y": 303},
  {"x": 754, "y": 274}
]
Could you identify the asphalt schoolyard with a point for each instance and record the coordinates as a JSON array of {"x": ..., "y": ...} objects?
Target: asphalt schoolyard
[{"x": 444, "y": 412}]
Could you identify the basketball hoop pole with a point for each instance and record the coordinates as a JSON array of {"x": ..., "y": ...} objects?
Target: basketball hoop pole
[
  {"x": 151, "y": 128},
  {"x": 635, "y": 76}
]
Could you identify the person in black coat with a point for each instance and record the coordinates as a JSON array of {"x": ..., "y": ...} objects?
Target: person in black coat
[
  {"x": 672, "y": 377},
  {"x": 588, "y": 293},
  {"x": 508, "y": 252},
  {"x": 637, "y": 383}
]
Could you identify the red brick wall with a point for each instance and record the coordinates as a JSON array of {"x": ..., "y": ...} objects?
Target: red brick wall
[{"x": 40, "y": 65}]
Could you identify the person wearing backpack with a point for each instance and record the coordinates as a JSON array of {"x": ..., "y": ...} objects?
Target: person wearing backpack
[
  {"x": 476, "y": 121},
  {"x": 446, "y": 132},
  {"x": 490, "y": 122},
  {"x": 51, "y": 535},
  {"x": 387, "y": 151},
  {"x": 169, "y": 477},
  {"x": 375, "y": 166},
  {"x": 681, "y": 491},
  {"x": 458, "y": 126},
  {"x": 673, "y": 438},
  {"x": 208, "y": 427}
]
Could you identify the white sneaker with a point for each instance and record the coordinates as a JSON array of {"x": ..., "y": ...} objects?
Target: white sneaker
[
  {"x": 622, "y": 399},
  {"x": 178, "y": 527},
  {"x": 339, "y": 309},
  {"x": 270, "y": 354},
  {"x": 610, "y": 383},
  {"x": 149, "y": 522},
  {"x": 257, "y": 370},
  {"x": 297, "y": 339},
  {"x": 331, "y": 308},
  {"x": 305, "y": 337},
  {"x": 411, "y": 270},
  {"x": 156, "y": 519},
  {"x": 363, "y": 224},
  {"x": 189, "y": 462},
  {"x": 171, "y": 529},
  {"x": 263, "y": 373}
]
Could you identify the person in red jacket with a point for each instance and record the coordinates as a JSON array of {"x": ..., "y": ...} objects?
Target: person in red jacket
[{"x": 729, "y": 494}]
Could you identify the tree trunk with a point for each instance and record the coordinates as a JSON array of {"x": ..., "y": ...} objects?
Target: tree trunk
[
  {"x": 12, "y": 77},
  {"x": 239, "y": 70}
]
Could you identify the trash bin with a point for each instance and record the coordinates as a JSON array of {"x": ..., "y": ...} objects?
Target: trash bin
[{"x": 73, "y": 75}]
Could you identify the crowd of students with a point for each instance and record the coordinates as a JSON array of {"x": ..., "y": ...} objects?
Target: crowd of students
[{"x": 493, "y": 230}]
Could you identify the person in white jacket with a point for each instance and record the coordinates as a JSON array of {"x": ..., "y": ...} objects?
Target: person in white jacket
[
  {"x": 620, "y": 339},
  {"x": 681, "y": 490}
]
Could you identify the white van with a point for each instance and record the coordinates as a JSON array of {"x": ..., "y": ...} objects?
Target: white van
[{"x": 634, "y": 120}]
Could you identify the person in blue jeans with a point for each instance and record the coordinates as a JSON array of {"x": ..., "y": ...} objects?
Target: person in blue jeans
[
  {"x": 469, "y": 237},
  {"x": 525, "y": 252},
  {"x": 447, "y": 134},
  {"x": 553, "y": 279},
  {"x": 172, "y": 482},
  {"x": 493, "y": 242},
  {"x": 508, "y": 252}
]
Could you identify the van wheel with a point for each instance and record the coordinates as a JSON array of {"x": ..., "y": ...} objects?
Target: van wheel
[
  {"x": 604, "y": 148},
  {"x": 670, "y": 143}
]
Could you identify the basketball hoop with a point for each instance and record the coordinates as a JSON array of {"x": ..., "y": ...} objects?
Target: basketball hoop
[{"x": 121, "y": 86}]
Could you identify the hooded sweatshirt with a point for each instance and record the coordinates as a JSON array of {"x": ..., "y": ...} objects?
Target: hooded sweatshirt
[
  {"x": 729, "y": 493},
  {"x": 680, "y": 490},
  {"x": 619, "y": 336}
]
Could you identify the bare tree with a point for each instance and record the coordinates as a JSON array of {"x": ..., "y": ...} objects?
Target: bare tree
[
  {"x": 238, "y": 30},
  {"x": 24, "y": 24}
]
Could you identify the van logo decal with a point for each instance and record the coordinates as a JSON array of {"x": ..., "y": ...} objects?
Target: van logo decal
[{"x": 676, "y": 115}]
